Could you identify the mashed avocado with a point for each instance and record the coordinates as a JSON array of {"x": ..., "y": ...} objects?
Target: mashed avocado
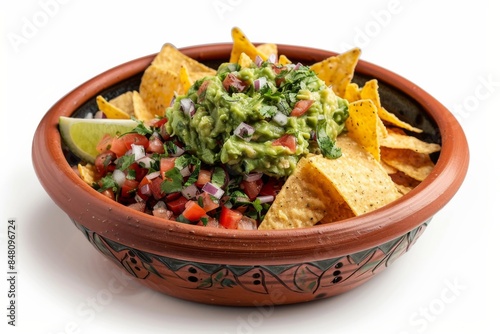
[{"x": 258, "y": 119}]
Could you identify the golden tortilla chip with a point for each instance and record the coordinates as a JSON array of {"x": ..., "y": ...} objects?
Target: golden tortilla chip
[
  {"x": 110, "y": 110},
  {"x": 171, "y": 59},
  {"x": 283, "y": 60},
  {"x": 124, "y": 103},
  {"x": 370, "y": 91},
  {"x": 185, "y": 80},
  {"x": 416, "y": 165},
  {"x": 352, "y": 92},
  {"x": 88, "y": 173},
  {"x": 268, "y": 49},
  {"x": 241, "y": 44},
  {"x": 158, "y": 88},
  {"x": 338, "y": 71},
  {"x": 245, "y": 61},
  {"x": 397, "y": 140},
  {"x": 357, "y": 177},
  {"x": 298, "y": 204},
  {"x": 404, "y": 182},
  {"x": 362, "y": 126},
  {"x": 141, "y": 112}
]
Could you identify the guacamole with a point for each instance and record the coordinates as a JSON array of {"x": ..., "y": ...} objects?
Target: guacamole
[{"x": 259, "y": 118}]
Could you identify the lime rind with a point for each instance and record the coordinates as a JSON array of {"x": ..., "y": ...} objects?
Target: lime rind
[{"x": 82, "y": 135}]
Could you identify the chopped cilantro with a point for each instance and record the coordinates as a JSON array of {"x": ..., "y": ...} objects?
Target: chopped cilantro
[
  {"x": 325, "y": 143},
  {"x": 219, "y": 177},
  {"x": 172, "y": 182}
]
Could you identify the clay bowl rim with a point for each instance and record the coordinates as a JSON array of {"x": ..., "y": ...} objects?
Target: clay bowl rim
[{"x": 191, "y": 242}]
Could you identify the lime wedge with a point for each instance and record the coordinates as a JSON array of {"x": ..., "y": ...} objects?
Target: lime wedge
[{"x": 82, "y": 135}]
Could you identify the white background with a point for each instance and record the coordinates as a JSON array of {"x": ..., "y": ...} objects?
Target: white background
[{"x": 445, "y": 284}]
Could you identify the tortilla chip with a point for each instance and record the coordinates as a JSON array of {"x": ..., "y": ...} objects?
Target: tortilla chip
[
  {"x": 416, "y": 165},
  {"x": 185, "y": 80},
  {"x": 110, "y": 110},
  {"x": 338, "y": 71},
  {"x": 352, "y": 92},
  {"x": 362, "y": 126},
  {"x": 241, "y": 44},
  {"x": 298, "y": 204},
  {"x": 404, "y": 182},
  {"x": 245, "y": 61},
  {"x": 370, "y": 91},
  {"x": 158, "y": 88},
  {"x": 124, "y": 103},
  {"x": 283, "y": 60},
  {"x": 268, "y": 49},
  {"x": 88, "y": 173},
  {"x": 357, "y": 177},
  {"x": 141, "y": 112},
  {"x": 397, "y": 140},
  {"x": 171, "y": 59}
]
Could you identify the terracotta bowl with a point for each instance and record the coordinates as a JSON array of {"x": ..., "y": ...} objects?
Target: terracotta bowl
[{"x": 233, "y": 267}]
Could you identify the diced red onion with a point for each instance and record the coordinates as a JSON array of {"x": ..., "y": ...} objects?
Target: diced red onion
[
  {"x": 280, "y": 118},
  {"x": 313, "y": 135},
  {"x": 297, "y": 66},
  {"x": 153, "y": 175},
  {"x": 252, "y": 177},
  {"x": 266, "y": 199},
  {"x": 99, "y": 115},
  {"x": 190, "y": 191},
  {"x": 213, "y": 190},
  {"x": 138, "y": 151},
  {"x": 119, "y": 177},
  {"x": 259, "y": 83},
  {"x": 187, "y": 106},
  {"x": 258, "y": 60},
  {"x": 244, "y": 131}
]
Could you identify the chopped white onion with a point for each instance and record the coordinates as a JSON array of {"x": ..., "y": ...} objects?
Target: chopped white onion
[
  {"x": 272, "y": 58},
  {"x": 266, "y": 199},
  {"x": 280, "y": 118},
  {"x": 89, "y": 115},
  {"x": 190, "y": 191},
  {"x": 185, "y": 171},
  {"x": 187, "y": 106},
  {"x": 252, "y": 177},
  {"x": 145, "y": 189},
  {"x": 146, "y": 161},
  {"x": 213, "y": 190},
  {"x": 244, "y": 131},
  {"x": 178, "y": 151},
  {"x": 153, "y": 175},
  {"x": 138, "y": 151},
  {"x": 119, "y": 177}
]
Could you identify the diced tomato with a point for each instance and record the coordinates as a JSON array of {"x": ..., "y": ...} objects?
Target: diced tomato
[
  {"x": 178, "y": 205},
  {"x": 286, "y": 140},
  {"x": 193, "y": 211},
  {"x": 172, "y": 196},
  {"x": 105, "y": 143},
  {"x": 104, "y": 162},
  {"x": 166, "y": 164},
  {"x": 204, "y": 176},
  {"x": 159, "y": 122},
  {"x": 156, "y": 188},
  {"x": 109, "y": 194},
  {"x": 202, "y": 90},
  {"x": 129, "y": 187},
  {"x": 140, "y": 172},
  {"x": 233, "y": 83},
  {"x": 123, "y": 143},
  {"x": 252, "y": 188},
  {"x": 155, "y": 145},
  {"x": 301, "y": 107},
  {"x": 208, "y": 203},
  {"x": 229, "y": 218},
  {"x": 272, "y": 187}
]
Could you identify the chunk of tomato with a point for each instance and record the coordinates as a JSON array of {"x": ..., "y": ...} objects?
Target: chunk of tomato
[
  {"x": 301, "y": 107},
  {"x": 272, "y": 187},
  {"x": 166, "y": 164},
  {"x": 129, "y": 187},
  {"x": 252, "y": 188},
  {"x": 193, "y": 211},
  {"x": 177, "y": 205},
  {"x": 230, "y": 218},
  {"x": 123, "y": 143},
  {"x": 286, "y": 140},
  {"x": 104, "y": 162}
]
